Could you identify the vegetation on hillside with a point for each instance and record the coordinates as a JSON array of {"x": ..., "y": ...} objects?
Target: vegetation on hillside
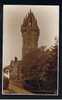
[{"x": 39, "y": 70}]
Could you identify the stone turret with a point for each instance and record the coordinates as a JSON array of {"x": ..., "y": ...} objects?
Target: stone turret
[{"x": 30, "y": 33}]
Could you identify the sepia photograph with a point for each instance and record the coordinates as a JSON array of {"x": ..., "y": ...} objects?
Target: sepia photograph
[{"x": 30, "y": 50}]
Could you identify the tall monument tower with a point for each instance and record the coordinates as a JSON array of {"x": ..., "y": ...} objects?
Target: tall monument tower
[{"x": 30, "y": 33}]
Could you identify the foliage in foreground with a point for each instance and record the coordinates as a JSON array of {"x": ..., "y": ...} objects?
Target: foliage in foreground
[{"x": 39, "y": 70}]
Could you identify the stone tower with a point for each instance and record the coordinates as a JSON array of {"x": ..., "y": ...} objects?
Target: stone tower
[{"x": 30, "y": 33}]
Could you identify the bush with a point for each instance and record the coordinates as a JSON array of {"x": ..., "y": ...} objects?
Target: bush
[{"x": 39, "y": 70}]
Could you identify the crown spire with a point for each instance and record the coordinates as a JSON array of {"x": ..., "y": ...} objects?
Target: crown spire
[{"x": 29, "y": 23}]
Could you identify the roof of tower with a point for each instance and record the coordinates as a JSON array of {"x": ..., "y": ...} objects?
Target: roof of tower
[
  {"x": 29, "y": 18},
  {"x": 29, "y": 23}
]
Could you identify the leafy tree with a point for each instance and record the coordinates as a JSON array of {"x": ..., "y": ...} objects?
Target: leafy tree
[{"x": 39, "y": 70}]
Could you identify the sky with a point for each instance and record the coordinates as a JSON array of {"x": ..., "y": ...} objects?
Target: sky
[{"x": 13, "y": 15}]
